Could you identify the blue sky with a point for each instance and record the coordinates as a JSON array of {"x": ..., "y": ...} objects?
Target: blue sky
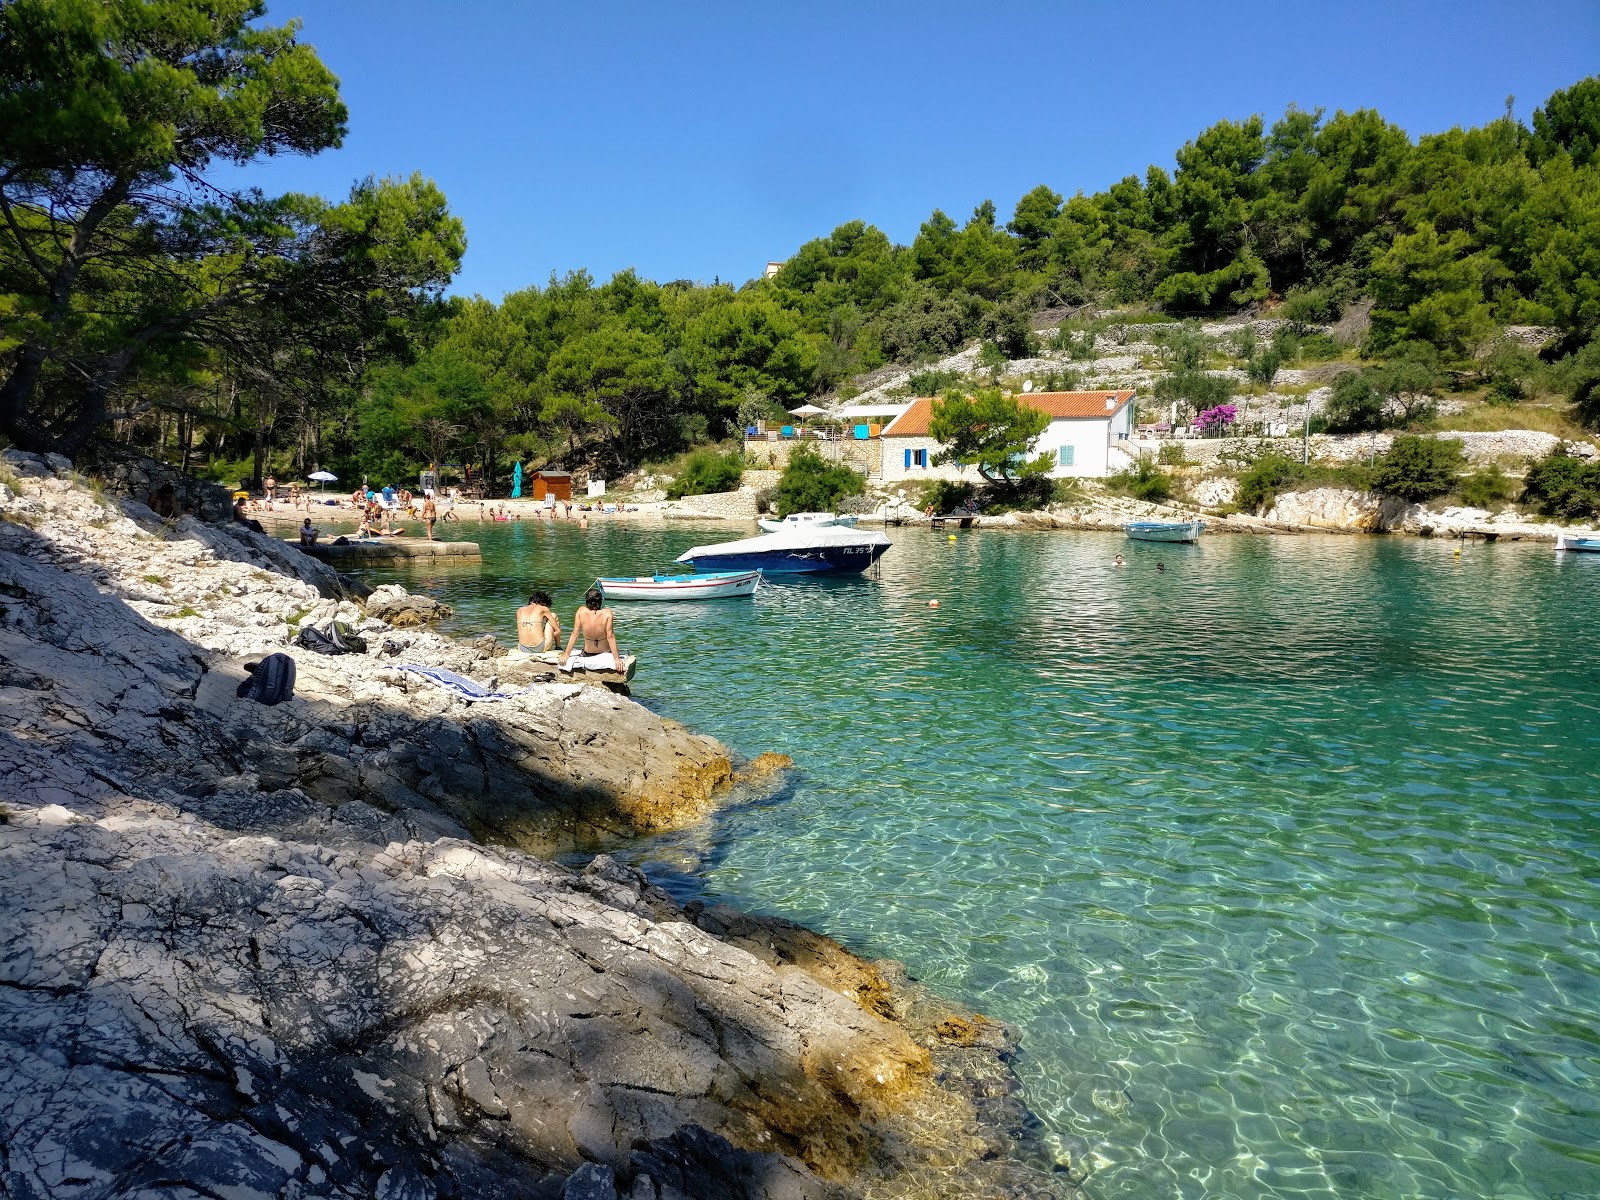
[{"x": 698, "y": 140}]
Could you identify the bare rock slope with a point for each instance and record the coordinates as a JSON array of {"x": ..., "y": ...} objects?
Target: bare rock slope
[{"x": 251, "y": 952}]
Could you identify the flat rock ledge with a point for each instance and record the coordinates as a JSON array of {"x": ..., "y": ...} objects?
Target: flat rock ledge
[{"x": 255, "y": 952}]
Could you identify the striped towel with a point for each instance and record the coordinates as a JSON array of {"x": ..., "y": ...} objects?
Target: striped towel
[{"x": 467, "y": 689}]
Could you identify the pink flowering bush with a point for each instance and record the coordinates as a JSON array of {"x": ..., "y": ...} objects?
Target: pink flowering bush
[{"x": 1214, "y": 422}]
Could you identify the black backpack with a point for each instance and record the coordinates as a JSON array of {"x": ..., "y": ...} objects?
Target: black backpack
[{"x": 271, "y": 680}]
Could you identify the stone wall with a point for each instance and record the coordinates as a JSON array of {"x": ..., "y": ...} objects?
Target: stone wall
[
  {"x": 865, "y": 456},
  {"x": 1510, "y": 447},
  {"x": 732, "y": 506},
  {"x": 138, "y": 477}
]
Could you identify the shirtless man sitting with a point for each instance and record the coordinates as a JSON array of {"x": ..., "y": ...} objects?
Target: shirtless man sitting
[
  {"x": 593, "y": 623},
  {"x": 538, "y": 628}
]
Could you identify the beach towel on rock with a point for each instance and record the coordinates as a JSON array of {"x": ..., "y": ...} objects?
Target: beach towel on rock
[
  {"x": 467, "y": 689},
  {"x": 271, "y": 680}
]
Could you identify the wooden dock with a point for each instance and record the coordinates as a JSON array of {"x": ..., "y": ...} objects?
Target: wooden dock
[{"x": 387, "y": 550}]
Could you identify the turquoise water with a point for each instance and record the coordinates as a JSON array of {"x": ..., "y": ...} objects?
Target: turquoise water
[{"x": 1285, "y": 860}]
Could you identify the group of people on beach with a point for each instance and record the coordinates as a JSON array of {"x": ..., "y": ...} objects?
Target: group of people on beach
[{"x": 539, "y": 632}]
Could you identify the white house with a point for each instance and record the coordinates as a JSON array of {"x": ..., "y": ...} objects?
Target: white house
[{"x": 1085, "y": 437}]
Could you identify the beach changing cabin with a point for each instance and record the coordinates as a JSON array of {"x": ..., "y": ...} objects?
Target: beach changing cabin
[{"x": 552, "y": 483}]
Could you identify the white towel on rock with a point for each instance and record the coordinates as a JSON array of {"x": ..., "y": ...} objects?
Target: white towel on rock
[{"x": 579, "y": 661}]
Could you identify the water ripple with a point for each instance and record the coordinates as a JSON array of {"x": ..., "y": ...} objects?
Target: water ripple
[{"x": 1283, "y": 858}]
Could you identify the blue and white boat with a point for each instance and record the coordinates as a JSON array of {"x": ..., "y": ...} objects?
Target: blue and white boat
[
  {"x": 1575, "y": 541},
  {"x": 1164, "y": 531},
  {"x": 808, "y": 550},
  {"x": 709, "y": 585}
]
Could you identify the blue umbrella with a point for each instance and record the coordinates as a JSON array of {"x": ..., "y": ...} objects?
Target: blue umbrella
[{"x": 516, "y": 482}]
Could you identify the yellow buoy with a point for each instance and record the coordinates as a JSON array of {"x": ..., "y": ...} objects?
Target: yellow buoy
[{"x": 952, "y": 537}]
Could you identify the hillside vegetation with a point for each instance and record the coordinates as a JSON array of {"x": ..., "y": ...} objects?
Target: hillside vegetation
[{"x": 292, "y": 333}]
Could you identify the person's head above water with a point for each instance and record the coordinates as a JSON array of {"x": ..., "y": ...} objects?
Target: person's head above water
[
  {"x": 593, "y": 599},
  {"x": 540, "y": 597}
]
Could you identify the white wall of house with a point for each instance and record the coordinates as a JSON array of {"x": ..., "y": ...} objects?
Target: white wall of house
[
  {"x": 1091, "y": 445},
  {"x": 1081, "y": 446}
]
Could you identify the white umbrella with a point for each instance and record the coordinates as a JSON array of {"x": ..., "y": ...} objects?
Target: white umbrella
[
  {"x": 321, "y": 477},
  {"x": 806, "y": 410}
]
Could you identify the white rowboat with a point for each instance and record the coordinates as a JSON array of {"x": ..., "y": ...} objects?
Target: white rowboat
[
  {"x": 1572, "y": 541},
  {"x": 709, "y": 585},
  {"x": 1165, "y": 531}
]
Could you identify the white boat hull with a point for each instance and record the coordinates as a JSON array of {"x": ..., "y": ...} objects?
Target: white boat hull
[
  {"x": 807, "y": 521},
  {"x": 1164, "y": 531},
  {"x": 721, "y": 585},
  {"x": 1585, "y": 542}
]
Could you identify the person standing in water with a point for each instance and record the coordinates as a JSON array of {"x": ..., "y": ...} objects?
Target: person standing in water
[
  {"x": 538, "y": 627},
  {"x": 430, "y": 514},
  {"x": 594, "y": 624}
]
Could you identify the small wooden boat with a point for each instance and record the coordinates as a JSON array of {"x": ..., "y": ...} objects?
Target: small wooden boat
[
  {"x": 812, "y": 520},
  {"x": 1164, "y": 531},
  {"x": 1573, "y": 541},
  {"x": 705, "y": 585}
]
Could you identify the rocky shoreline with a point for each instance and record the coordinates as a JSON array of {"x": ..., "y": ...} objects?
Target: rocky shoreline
[{"x": 319, "y": 949}]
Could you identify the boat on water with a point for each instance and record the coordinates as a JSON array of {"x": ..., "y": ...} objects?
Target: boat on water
[
  {"x": 1164, "y": 531},
  {"x": 1574, "y": 541},
  {"x": 804, "y": 549},
  {"x": 811, "y": 520},
  {"x": 708, "y": 585}
]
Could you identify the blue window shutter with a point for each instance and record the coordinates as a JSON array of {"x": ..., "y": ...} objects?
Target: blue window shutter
[
  {"x": 1066, "y": 455},
  {"x": 908, "y": 458}
]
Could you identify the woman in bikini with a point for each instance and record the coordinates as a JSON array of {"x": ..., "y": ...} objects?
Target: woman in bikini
[{"x": 593, "y": 623}]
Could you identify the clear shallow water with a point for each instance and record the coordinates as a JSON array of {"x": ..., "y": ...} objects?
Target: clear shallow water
[{"x": 1286, "y": 861}]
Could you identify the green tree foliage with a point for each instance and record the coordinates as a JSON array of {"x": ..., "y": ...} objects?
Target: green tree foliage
[
  {"x": 1355, "y": 406},
  {"x": 707, "y": 471},
  {"x": 1582, "y": 375},
  {"x": 1563, "y": 485},
  {"x": 991, "y": 431},
  {"x": 1569, "y": 123},
  {"x": 122, "y": 272},
  {"x": 1419, "y": 468},
  {"x": 812, "y": 484}
]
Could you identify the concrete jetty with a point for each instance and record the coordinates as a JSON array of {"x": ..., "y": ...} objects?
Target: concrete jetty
[{"x": 387, "y": 550}]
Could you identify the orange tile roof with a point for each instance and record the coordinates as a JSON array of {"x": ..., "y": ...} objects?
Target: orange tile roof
[{"x": 1055, "y": 405}]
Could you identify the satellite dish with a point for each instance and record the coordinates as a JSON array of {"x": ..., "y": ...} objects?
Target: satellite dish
[{"x": 1027, "y": 385}]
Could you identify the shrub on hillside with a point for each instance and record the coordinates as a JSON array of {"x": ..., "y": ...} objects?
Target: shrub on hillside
[
  {"x": 1267, "y": 476},
  {"x": 811, "y": 484},
  {"x": 1488, "y": 488},
  {"x": 707, "y": 471},
  {"x": 1355, "y": 406},
  {"x": 1143, "y": 481},
  {"x": 945, "y": 495},
  {"x": 1419, "y": 468},
  {"x": 1581, "y": 373},
  {"x": 1563, "y": 485}
]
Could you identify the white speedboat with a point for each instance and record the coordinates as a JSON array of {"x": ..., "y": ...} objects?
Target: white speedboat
[
  {"x": 806, "y": 549},
  {"x": 817, "y": 520}
]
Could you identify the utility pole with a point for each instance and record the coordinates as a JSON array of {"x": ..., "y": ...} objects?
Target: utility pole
[{"x": 1305, "y": 441}]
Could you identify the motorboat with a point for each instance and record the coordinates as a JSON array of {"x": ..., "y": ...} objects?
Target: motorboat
[
  {"x": 1164, "y": 531},
  {"x": 1577, "y": 541},
  {"x": 708, "y": 585},
  {"x": 803, "y": 549},
  {"x": 812, "y": 520}
]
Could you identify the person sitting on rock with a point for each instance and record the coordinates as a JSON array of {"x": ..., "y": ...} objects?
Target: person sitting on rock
[
  {"x": 538, "y": 627},
  {"x": 593, "y": 622},
  {"x": 240, "y": 515},
  {"x": 164, "y": 502},
  {"x": 309, "y": 533}
]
